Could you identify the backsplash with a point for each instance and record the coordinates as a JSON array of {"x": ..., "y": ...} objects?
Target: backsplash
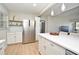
[{"x": 15, "y": 29}]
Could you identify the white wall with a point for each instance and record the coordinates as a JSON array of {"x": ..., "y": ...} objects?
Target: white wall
[
  {"x": 53, "y": 23},
  {"x": 20, "y": 16}
]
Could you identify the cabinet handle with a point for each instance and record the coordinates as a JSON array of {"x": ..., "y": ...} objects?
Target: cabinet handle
[{"x": 29, "y": 22}]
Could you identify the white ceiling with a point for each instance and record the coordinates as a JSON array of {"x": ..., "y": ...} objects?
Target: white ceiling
[
  {"x": 44, "y": 8},
  {"x": 26, "y": 7},
  {"x": 57, "y": 9}
]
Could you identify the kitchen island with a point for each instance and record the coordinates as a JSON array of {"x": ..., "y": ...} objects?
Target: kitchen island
[{"x": 57, "y": 44}]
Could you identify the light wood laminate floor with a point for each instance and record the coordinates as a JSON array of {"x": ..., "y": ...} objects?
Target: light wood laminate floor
[{"x": 22, "y": 49}]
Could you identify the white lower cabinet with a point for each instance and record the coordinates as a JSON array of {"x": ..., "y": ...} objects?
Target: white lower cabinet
[
  {"x": 41, "y": 46},
  {"x": 11, "y": 38},
  {"x": 49, "y": 48},
  {"x": 18, "y": 37},
  {"x": 2, "y": 48},
  {"x": 53, "y": 49},
  {"x": 14, "y": 37}
]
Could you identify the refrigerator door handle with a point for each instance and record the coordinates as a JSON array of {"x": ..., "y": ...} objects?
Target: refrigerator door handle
[{"x": 29, "y": 22}]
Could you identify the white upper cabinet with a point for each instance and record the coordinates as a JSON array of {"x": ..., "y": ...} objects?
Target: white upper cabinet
[{"x": 3, "y": 17}]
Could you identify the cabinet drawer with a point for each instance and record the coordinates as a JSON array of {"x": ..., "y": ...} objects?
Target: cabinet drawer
[
  {"x": 11, "y": 33},
  {"x": 14, "y": 37},
  {"x": 11, "y": 36}
]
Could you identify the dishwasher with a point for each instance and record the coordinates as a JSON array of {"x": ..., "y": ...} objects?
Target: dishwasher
[{"x": 68, "y": 52}]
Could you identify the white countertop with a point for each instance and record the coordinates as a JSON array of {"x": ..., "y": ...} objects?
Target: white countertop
[
  {"x": 66, "y": 41},
  {"x": 1, "y": 41}
]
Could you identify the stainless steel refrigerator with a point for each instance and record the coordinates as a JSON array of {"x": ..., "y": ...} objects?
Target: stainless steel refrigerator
[{"x": 28, "y": 31}]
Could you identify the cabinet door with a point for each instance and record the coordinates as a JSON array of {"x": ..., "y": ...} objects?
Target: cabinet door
[
  {"x": 47, "y": 47},
  {"x": 42, "y": 46},
  {"x": 18, "y": 37},
  {"x": 53, "y": 49},
  {"x": 11, "y": 38}
]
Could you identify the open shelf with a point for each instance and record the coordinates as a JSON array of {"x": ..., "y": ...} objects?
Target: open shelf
[{"x": 15, "y": 23}]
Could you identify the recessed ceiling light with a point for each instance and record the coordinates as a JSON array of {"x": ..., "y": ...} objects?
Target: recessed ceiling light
[
  {"x": 34, "y": 4},
  {"x": 52, "y": 13},
  {"x": 63, "y": 7}
]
